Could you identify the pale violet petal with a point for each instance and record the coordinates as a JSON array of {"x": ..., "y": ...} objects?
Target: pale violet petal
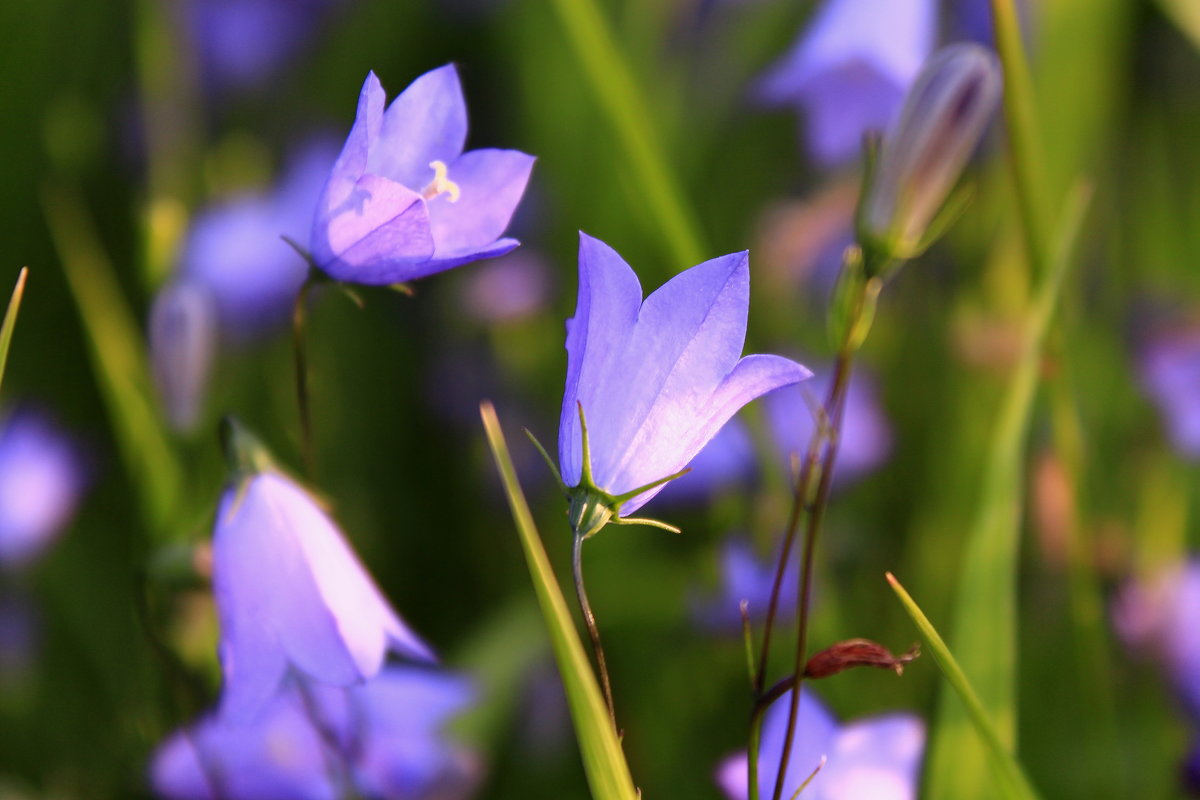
[
  {"x": 426, "y": 122},
  {"x": 490, "y": 184}
]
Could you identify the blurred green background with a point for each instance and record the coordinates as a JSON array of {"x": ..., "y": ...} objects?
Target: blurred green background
[{"x": 126, "y": 651}]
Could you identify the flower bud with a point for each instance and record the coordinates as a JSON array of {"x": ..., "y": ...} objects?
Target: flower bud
[
  {"x": 943, "y": 119},
  {"x": 183, "y": 341}
]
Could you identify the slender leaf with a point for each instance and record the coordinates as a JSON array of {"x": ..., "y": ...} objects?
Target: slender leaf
[
  {"x": 608, "y": 774},
  {"x": 1014, "y": 781},
  {"x": 613, "y": 83},
  {"x": 117, "y": 357},
  {"x": 10, "y": 319},
  {"x": 986, "y": 604}
]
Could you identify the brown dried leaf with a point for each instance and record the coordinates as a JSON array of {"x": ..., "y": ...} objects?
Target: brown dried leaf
[{"x": 857, "y": 653}]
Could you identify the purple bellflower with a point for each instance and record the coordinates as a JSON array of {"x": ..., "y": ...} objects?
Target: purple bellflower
[
  {"x": 746, "y": 577},
  {"x": 1158, "y": 618},
  {"x": 235, "y": 250},
  {"x": 404, "y": 201},
  {"x": 1170, "y": 372},
  {"x": 877, "y": 757},
  {"x": 650, "y": 383},
  {"x": 726, "y": 461},
  {"x": 42, "y": 476},
  {"x": 381, "y": 739},
  {"x": 290, "y": 592},
  {"x": 243, "y": 43},
  {"x": 864, "y": 439},
  {"x": 850, "y": 70}
]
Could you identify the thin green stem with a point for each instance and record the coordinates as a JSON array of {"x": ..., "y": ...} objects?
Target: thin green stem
[
  {"x": 613, "y": 83},
  {"x": 300, "y": 360},
  {"x": 589, "y": 620}
]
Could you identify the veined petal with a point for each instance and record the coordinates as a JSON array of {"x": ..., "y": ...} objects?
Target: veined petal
[
  {"x": 450, "y": 261},
  {"x": 426, "y": 122},
  {"x": 367, "y": 122},
  {"x": 609, "y": 298},
  {"x": 688, "y": 336},
  {"x": 491, "y": 183},
  {"x": 370, "y": 231}
]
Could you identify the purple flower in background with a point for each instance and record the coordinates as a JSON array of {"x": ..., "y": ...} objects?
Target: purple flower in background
[
  {"x": 183, "y": 345},
  {"x": 404, "y": 201},
  {"x": 507, "y": 289},
  {"x": 877, "y": 757},
  {"x": 1158, "y": 617},
  {"x": 383, "y": 738},
  {"x": 1170, "y": 371},
  {"x": 865, "y": 436},
  {"x": 291, "y": 594},
  {"x": 746, "y": 576},
  {"x": 42, "y": 476},
  {"x": 850, "y": 70},
  {"x": 243, "y": 43},
  {"x": 657, "y": 379},
  {"x": 235, "y": 250}
]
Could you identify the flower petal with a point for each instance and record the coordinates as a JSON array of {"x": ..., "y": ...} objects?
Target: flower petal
[
  {"x": 352, "y": 162},
  {"x": 426, "y": 122},
  {"x": 609, "y": 298},
  {"x": 372, "y": 231},
  {"x": 877, "y": 758},
  {"x": 491, "y": 183},
  {"x": 436, "y": 265}
]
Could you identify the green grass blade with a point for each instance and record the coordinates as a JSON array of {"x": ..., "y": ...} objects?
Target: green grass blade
[
  {"x": 1186, "y": 15},
  {"x": 608, "y": 774},
  {"x": 117, "y": 357},
  {"x": 612, "y": 81},
  {"x": 10, "y": 319},
  {"x": 986, "y": 604},
  {"x": 1005, "y": 766}
]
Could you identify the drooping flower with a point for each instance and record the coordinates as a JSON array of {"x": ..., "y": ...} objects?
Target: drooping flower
[
  {"x": 864, "y": 438},
  {"x": 1157, "y": 617},
  {"x": 727, "y": 461},
  {"x": 42, "y": 476},
  {"x": 382, "y": 739},
  {"x": 850, "y": 70},
  {"x": 404, "y": 200},
  {"x": 877, "y": 757},
  {"x": 235, "y": 250},
  {"x": 291, "y": 594},
  {"x": 1170, "y": 372},
  {"x": 657, "y": 379},
  {"x": 945, "y": 115}
]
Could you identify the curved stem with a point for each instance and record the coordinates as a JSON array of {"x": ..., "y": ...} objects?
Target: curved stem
[{"x": 589, "y": 619}]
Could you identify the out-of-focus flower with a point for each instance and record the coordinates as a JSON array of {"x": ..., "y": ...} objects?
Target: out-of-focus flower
[
  {"x": 944, "y": 116},
  {"x": 507, "y": 289},
  {"x": 183, "y": 344},
  {"x": 42, "y": 476},
  {"x": 865, "y": 437},
  {"x": 403, "y": 200},
  {"x": 850, "y": 70},
  {"x": 745, "y": 576},
  {"x": 1157, "y": 616},
  {"x": 383, "y": 739},
  {"x": 244, "y": 43},
  {"x": 291, "y": 594},
  {"x": 235, "y": 250},
  {"x": 877, "y": 757},
  {"x": 1170, "y": 371},
  {"x": 19, "y": 638},
  {"x": 655, "y": 380}
]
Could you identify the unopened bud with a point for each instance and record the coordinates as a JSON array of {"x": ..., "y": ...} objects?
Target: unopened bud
[
  {"x": 944, "y": 116},
  {"x": 183, "y": 341}
]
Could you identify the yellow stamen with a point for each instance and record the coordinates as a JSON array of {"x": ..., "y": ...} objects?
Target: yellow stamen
[{"x": 441, "y": 183}]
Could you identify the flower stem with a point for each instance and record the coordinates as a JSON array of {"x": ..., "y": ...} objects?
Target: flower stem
[
  {"x": 299, "y": 350},
  {"x": 834, "y": 405},
  {"x": 589, "y": 619}
]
